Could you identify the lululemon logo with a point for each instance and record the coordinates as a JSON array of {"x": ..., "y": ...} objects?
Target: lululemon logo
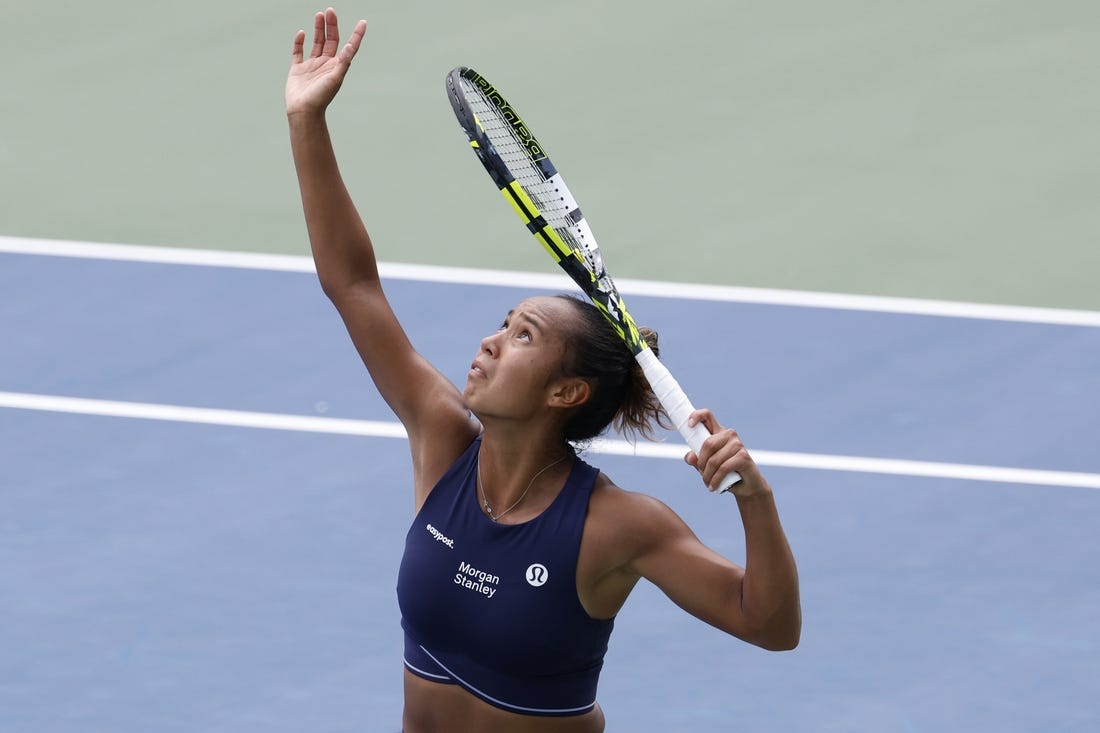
[{"x": 537, "y": 574}]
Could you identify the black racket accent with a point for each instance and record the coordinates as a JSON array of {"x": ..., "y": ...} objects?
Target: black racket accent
[{"x": 522, "y": 171}]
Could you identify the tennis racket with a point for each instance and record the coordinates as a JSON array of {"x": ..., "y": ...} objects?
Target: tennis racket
[{"x": 521, "y": 169}]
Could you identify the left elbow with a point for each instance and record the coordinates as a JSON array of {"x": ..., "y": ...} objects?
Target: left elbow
[
  {"x": 781, "y": 642},
  {"x": 780, "y": 635}
]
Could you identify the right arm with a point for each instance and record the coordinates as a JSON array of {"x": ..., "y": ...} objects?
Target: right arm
[{"x": 426, "y": 402}]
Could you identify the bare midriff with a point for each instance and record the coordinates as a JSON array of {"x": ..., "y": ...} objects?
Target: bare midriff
[{"x": 431, "y": 707}]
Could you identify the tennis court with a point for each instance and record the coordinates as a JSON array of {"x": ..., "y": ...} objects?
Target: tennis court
[{"x": 204, "y": 500}]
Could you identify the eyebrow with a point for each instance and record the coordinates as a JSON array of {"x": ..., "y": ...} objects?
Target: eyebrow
[{"x": 534, "y": 321}]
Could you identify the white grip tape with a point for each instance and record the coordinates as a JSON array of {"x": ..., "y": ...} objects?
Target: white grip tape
[{"x": 678, "y": 406}]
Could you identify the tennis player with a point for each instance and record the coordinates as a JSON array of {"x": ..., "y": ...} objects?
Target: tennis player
[{"x": 521, "y": 554}]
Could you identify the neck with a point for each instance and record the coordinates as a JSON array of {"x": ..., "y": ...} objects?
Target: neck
[{"x": 518, "y": 476}]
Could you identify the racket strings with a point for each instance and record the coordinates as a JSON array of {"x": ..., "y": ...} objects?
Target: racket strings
[{"x": 527, "y": 173}]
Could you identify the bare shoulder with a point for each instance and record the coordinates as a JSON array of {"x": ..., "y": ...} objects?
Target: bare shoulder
[
  {"x": 630, "y": 522},
  {"x": 622, "y": 527},
  {"x": 632, "y": 507}
]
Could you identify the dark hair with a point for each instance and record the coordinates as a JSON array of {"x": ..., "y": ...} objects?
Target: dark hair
[{"x": 620, "y": 392}]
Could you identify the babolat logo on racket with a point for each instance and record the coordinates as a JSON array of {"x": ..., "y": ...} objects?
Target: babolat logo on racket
[{"x": 510, "y": 116}]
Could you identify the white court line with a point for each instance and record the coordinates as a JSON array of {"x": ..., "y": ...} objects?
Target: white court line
[
  {"x": 377, "y": 429},
  {"x": 470, "y": 276}
]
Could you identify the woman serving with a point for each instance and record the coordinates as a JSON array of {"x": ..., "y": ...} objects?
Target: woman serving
[{"x": 520, "y": 553}]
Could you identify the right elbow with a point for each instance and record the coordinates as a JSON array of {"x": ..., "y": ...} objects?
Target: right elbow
[
  {"x": 338, "y": 288},
  {"x": 353, "y": 296},
  {"x": 332, "y": 290}
]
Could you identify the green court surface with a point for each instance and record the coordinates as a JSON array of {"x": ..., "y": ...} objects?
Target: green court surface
[{"x": 940, "y": 149}]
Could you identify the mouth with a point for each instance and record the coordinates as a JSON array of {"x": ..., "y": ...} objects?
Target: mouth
[{"x": 476, "y": 370}]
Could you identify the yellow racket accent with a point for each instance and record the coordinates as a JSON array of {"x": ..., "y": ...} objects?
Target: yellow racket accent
[
  {"x": 525, "y": 208},
  {"x": 551, "y": 242}
]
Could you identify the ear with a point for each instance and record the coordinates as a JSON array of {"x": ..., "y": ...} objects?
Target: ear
[{"x": 570, "y": 392}]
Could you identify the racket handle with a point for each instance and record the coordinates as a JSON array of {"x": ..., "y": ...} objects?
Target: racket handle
[{"x": 678, "y": 407}]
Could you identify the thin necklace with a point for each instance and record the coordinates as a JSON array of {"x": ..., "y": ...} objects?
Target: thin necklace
[{"x": 485, "y": 500}]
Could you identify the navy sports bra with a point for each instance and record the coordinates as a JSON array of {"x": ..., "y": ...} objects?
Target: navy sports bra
[{"x": 493, "y": 607}]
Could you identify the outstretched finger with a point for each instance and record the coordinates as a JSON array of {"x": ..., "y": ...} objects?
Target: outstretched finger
[
  {"x": 297, "y": 48},
  {"x": 352, "y": 46},
  {"x": 318, "y": 35},
  {"x": 332, "y": 33}
]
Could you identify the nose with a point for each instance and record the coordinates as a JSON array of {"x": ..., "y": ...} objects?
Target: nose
[{"x": 488, "y": 344}]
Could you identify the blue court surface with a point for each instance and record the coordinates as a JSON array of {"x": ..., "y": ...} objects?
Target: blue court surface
[{"x": 203, "y": 503}]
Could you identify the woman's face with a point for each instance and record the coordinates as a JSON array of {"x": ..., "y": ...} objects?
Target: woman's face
[{"x": 516, "y": 367}]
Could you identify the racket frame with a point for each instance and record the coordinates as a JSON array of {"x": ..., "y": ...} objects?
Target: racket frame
[{"x": 583, "y": 263}]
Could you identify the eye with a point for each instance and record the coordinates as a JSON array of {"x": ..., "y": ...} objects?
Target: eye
[{"x": 524, "y": 335}]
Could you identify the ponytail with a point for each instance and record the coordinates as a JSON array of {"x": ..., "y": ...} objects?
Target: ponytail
[{"x": 621, "y": 394}]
